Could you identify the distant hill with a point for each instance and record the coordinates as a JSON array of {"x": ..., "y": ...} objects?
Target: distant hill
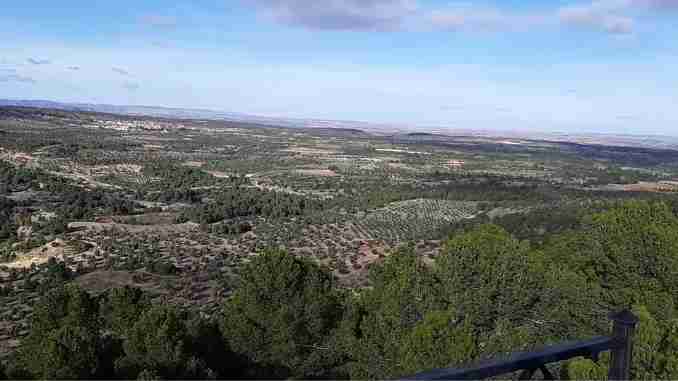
[
  {"x": 398, "y": 132},
  {"x": 420, "y": 137},
  {"x": 341, "y": 131},
  {"x": 164, "y": 112},
  {"x": 188, "y": 113}
]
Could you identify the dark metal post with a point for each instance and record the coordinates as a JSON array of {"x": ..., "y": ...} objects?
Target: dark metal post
[{"x": 622, "y": 353}]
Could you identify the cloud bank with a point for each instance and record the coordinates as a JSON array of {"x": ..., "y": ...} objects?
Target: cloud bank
[
  {"x": 339, "y": 14},
  {"x": 609, "y": 16}
]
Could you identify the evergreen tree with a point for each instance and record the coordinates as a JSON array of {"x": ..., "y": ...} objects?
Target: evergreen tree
[
  {"x": 155, "y": 343},
  {"x": 122, "y": 308},
  {"x": 382, "y": 319},
  {"x": 65, "y": 335},
  {"x": 283, "y": 314}
]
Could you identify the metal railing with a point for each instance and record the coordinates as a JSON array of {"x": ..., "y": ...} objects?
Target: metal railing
[{"x": 619, "y": 343}]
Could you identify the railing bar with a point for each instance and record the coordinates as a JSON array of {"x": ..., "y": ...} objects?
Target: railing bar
[{"x": 523, "y": 360}]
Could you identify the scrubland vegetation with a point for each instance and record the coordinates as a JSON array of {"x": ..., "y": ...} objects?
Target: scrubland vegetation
[{"x": 220, "y": 250}]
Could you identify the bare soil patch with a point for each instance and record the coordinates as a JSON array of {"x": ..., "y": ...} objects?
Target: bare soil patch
[
  {"x": 667, "y": 186},
  {"x": 309, "y": 151},
  {"x": 39, "y": 255},
  {"x": 164, "y": 218},
  {"x": 317, "y": 172},
  {"x": 219, "y": 175},
  {"x": 193, "y": 164},
  {"x": 103, "y": 226},
  {"x": 100, "y": 281}
]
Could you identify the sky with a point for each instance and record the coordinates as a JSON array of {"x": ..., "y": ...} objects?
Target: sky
[{"x": 607, "y": 66}]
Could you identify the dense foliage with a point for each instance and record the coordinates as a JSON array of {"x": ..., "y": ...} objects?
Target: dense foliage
[
  {"x": 283, "y": 315},
  {"x": 247, "y": 202},
  {"x": 14, "y": 179},
  {"x": 119, "y": 335},
  {"x": 78, "y": 204},
  {"x": 7, "y": 226}
]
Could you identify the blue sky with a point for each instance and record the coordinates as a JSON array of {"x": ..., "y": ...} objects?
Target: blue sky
[{"x": 571, "y": 65}]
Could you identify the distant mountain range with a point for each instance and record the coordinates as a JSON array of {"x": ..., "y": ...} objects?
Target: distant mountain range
[{"x": 649, "y": 141}]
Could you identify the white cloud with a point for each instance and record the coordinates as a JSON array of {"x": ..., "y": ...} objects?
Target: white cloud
[
  {"x": 37, "y": 61},
  {"x": 469, "y": 17},
  {"x": 120, "y": 71},
  {"x": 13, "y": 77},
  {"x": 131, "y": 86},
  {"x": 656, "y": 4},
  {"x": 619, "y": 25},
  {"x": 606, "y": 15}
]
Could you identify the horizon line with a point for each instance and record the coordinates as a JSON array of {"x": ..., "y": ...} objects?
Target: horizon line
[{"x": 413, "y": 127}]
